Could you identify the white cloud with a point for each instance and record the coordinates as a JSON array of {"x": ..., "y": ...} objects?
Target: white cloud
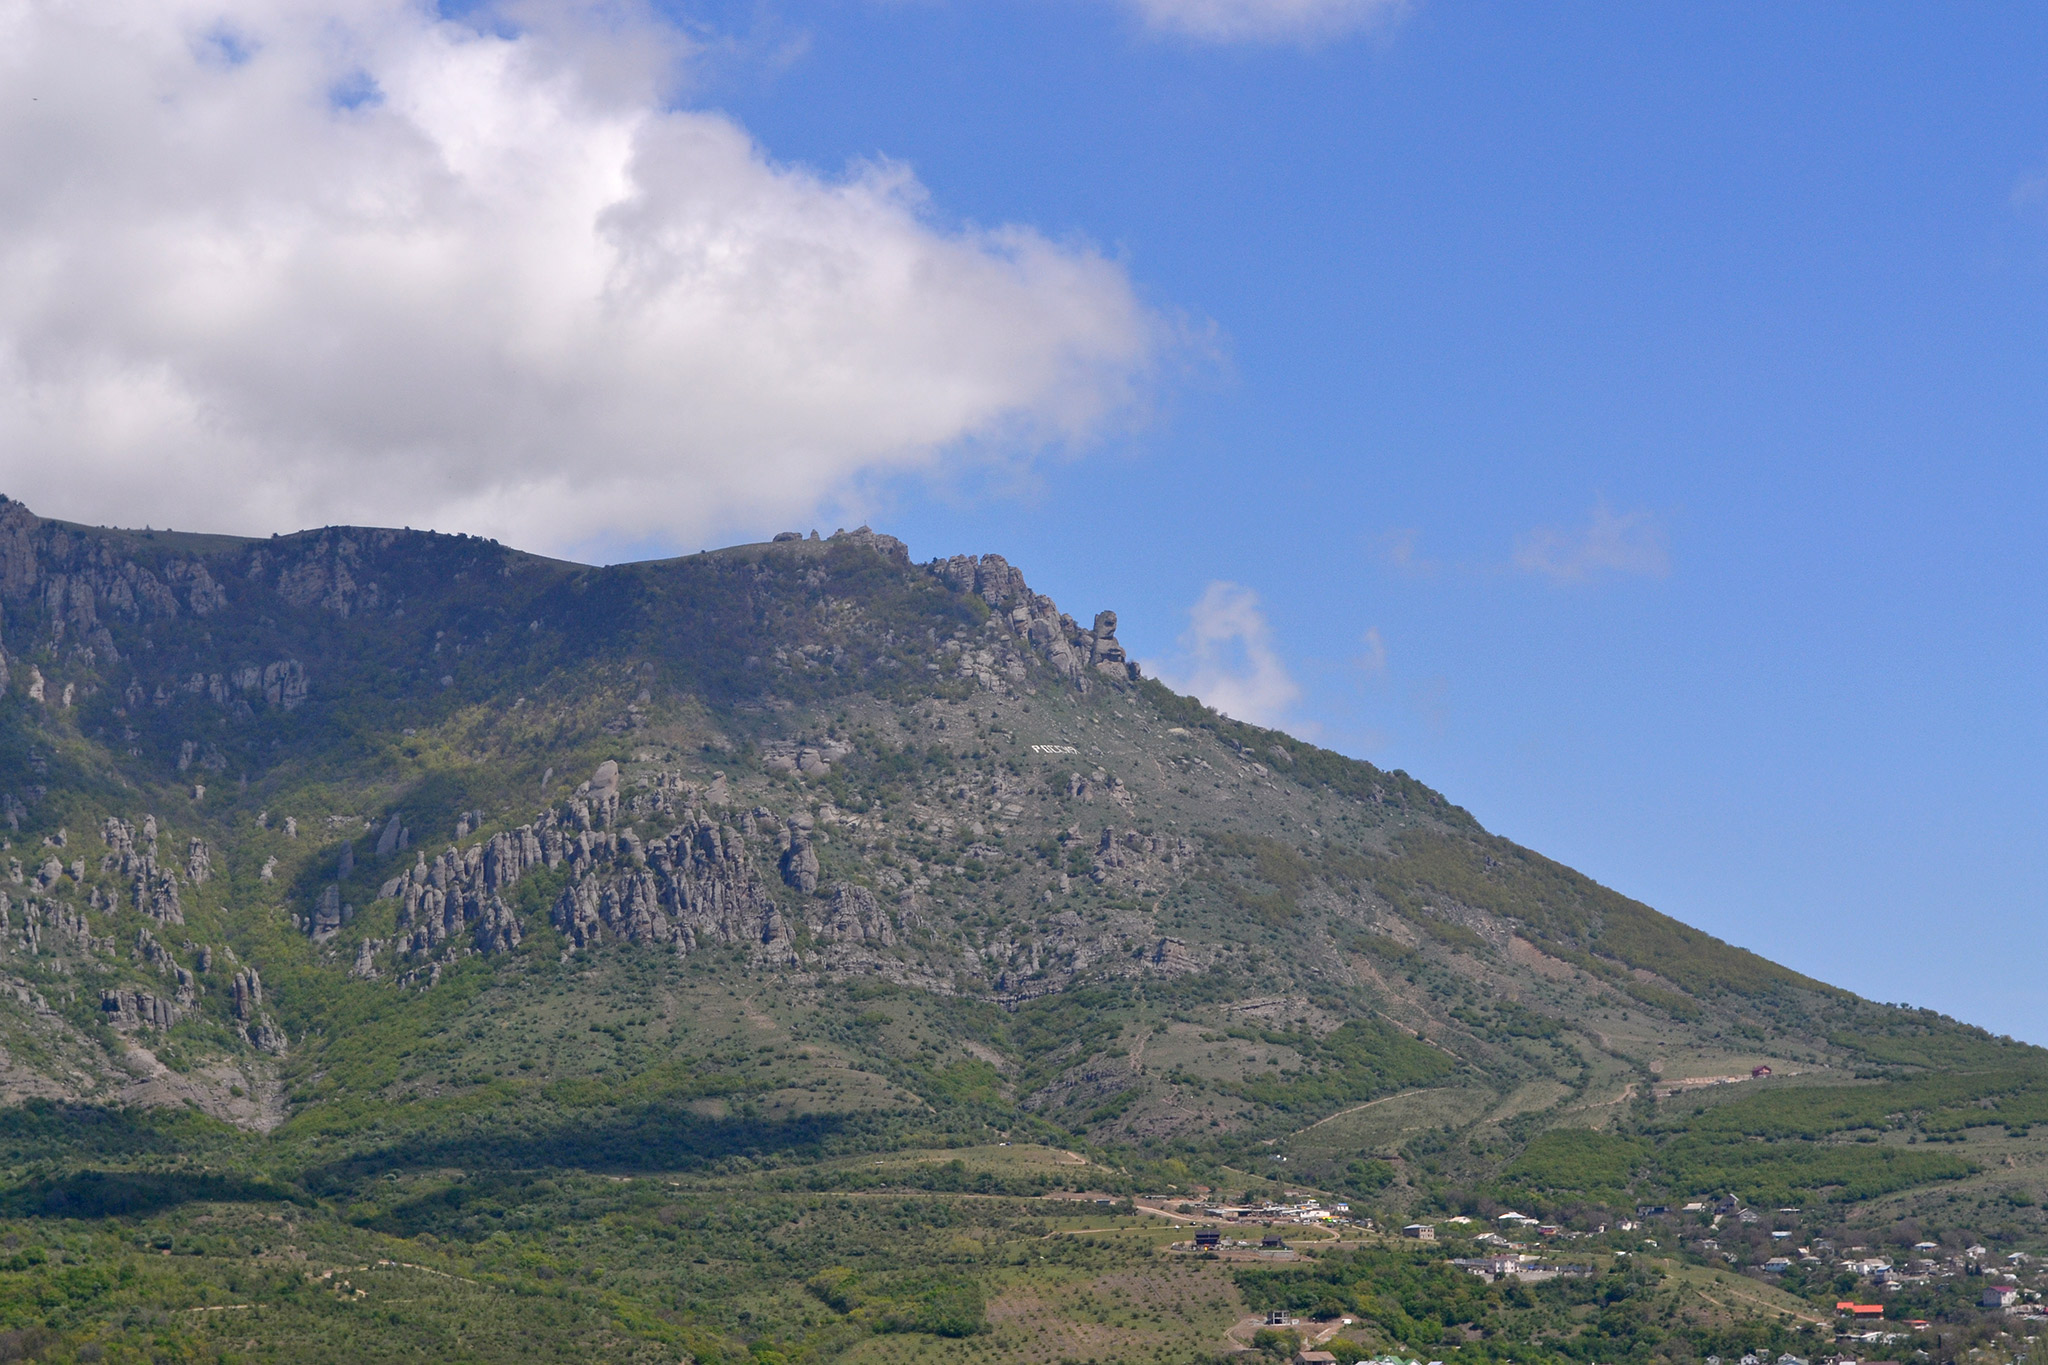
[
  {"x": 1265, "y": 20},
  {"x": 267, "y": 263},
  {"x": 1228, "y": 660},
  {"x": 1373, "y": 662},
  {"x": 1610, "y": 543}
]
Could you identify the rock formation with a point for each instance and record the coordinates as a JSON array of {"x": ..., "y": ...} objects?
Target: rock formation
[{"x": 128, "y": 1010}]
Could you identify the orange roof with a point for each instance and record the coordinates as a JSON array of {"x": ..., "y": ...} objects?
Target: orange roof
[{"x": 1866, "y": 1310}]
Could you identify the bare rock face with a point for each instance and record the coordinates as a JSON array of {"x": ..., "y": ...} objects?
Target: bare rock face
[
  {"x": 461, "y": 891},
  {"x": 1032, "y": 619},
  {"x": 693, "y": 884},
  {"x": 1171, "y": 956},
  {"x": 129, "y": 1010},
  {"x": 198, "y": 862},
  {"x": 152, "y": 952},
  {"x": 246, "y": 1002},
  {"x": 496, "y": 929},
  {"x": 266, "y": 1036},
  {"x": 854, "y": 916},
  {"x": 1105, "y": 655},
  {"x": 156, "y": 892},
  {"x": 247, "y": 994},
  {"x": 866, "y": 538},
  {"x": 329, "y": 915},
  {"x": 799, "y": 859},
  {"x": 284, "y": 684},
  {"x": 698, "y": 886},
  {"x": 153, "y": 887}
]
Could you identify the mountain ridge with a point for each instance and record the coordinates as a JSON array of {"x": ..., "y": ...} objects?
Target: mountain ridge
[
  {"x": 356, "y": 575},
  {"x": 399, "y": 853}
]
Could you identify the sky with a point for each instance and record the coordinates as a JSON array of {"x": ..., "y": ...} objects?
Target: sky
[{"x": 1627, "y": 420}]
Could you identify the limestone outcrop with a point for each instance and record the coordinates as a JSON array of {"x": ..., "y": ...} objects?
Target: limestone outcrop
[
  {"x": 152, "y": 886},
  {"x": 127, "y": 1010},
  {"x": 695, "y": 886},
  {"x": 1034, "y": 621},
  {"x": 799, "y": 860},
  {"x": 870, "y": 539},
  {"x": 853, "y": 916},
  {"x": 461, "y": 893}
]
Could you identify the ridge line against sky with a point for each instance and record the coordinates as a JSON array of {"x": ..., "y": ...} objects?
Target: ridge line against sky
[{"x": 1627, "y": 422}]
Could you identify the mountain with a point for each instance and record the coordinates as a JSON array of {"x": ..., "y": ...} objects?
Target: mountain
[{"x": 421, "y": 888}]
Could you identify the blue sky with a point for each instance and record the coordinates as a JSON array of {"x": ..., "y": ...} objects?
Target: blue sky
[
  {"x": 1626, "y": 419},
  {"x": 1768, "y": 284}
]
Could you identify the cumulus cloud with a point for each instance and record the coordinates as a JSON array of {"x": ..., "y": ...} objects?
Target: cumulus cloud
[
  {"x": 267, "y": 263},
  {"x": 1610, "y": 542},
  {"x": 1228, "y": 660},
  {"x": 1265, "y": 20}
]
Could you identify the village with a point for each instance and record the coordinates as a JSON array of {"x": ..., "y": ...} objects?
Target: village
[{"x": 1511, "y": 1246}]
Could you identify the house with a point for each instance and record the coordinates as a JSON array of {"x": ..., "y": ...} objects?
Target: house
[
  {"x": 1208, "y": 1237},
  {"x": 1757, "y": 1073},
  {"x": 1277, "y": 1317},
  {"x": 1272, "y": 1239},
  {"x": 1422, "y": 1231},
  {"x": 1652, "y": 1210},
  {"x": 1998, "y": 1296},
  {"x": 1489, "y": 1267},
  {"x": 1515, "y": 1220},
  {"x": 1777, "y": 1265},
  {"x": 1306, "y": 1357},
  {"x": 1859, "y": 1310}
]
